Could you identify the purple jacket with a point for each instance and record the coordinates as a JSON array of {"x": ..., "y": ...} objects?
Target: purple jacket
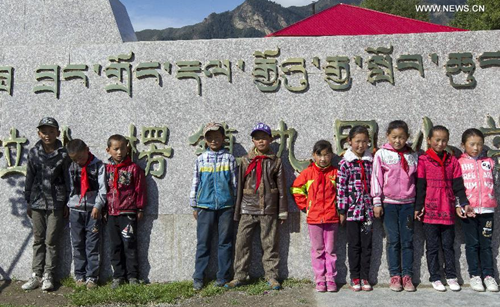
[
  {"x": 353, "y": 193},
  {"x": 390, "y": 183}
]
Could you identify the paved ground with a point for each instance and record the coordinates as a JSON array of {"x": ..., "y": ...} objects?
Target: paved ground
[{"x": 423, "y": 297}]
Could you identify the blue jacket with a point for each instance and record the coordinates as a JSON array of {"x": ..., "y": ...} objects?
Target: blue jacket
[{"x": 214, "y": 180}]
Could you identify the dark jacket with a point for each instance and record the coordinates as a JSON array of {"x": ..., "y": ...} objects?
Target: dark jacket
[
  {"x": 45, "y": 187},
  {"x": 95, "y": 197},
  {"x": 130, "y": 194},
  {"x": 270, "y": 198}
]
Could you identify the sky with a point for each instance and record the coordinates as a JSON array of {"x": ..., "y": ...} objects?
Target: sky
[{"x": 161, "y": 14}]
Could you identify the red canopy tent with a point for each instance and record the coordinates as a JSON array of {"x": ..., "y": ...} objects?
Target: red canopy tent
[{"x": 344, "y": 19}]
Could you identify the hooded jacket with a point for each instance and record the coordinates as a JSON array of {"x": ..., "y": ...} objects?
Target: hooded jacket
[
  {"x": 95, "y": 197},
  {"x": 438, "y": 187},
  {"x": 479, "y": 180},
  {"x": 315, "y": 192},
  {"x": 45, "y": 187},
  {"x": 390, "y": 183},
  {"x": 130, "y": 194},
  {"x": 353, "y": 191},
  {"x": 270, "y": 198},
  {"x": 214, "y": 180}
]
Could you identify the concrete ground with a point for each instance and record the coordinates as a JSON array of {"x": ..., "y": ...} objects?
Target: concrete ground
[{"x": 423, "y": 297}]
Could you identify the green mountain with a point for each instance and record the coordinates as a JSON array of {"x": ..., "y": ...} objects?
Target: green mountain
[{"x": 257, "y": 18}]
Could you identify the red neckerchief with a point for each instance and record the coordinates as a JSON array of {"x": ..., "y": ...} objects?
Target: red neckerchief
[
  {"x": 84, "y": 178},
  {"x": 401, "y": 153},
  {"x": 363, "y": 175},
  {"x": 321, "y": 178},
  {"x": 116, "y": 171},
  {"x": 431, "y": 153},
  {"x": 257, "y": 164}
]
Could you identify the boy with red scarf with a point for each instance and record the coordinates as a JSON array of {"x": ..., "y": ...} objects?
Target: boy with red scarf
[
  {"x": 126, "y": 200},
  {"x": 87, "y": 197},
  {"x": 261, "y": 201}
]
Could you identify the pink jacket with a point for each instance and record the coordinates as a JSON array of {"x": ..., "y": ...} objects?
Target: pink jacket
[
  {"x": 390, "y": 183},
  {"x": 479, "y": 181}
]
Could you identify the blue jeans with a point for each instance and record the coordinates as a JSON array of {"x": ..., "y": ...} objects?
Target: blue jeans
[
  {"x": 209, "y": 222},
  {"x": 478, "y": 232},
  {"x": 398, "y": 224},
  {"x": 85, "y": 233}
]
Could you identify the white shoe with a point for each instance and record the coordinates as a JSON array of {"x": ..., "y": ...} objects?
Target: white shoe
[
  {"x": 47, "y": 283},
  {"x": 438, "y": 286},
  {"x": 453, "y": 284},
  {"x": 32, "y": 283},
  {"x": 491, "y": 284},
  {"x": 476, "y": 284}
]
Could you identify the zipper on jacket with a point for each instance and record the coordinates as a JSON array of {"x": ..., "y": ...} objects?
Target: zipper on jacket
[
  {"x": 215, "y": 183},
  {"x": 479, "y": 181}
]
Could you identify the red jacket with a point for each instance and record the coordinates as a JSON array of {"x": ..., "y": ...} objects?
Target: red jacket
[
  {"x": 438, "y": 187},
  {"x": 129, "y": 195},
  {"x": 315, "y": 191}
]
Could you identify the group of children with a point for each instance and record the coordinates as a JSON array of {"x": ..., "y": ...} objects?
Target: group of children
[
  {"x": 396, "y": 185},
  {"x": 71, "y": 182}
]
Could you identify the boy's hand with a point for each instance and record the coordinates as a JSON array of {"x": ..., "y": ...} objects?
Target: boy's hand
[
  {"x": 195, "y": 214},
  {"x": 460, "y": 212},
  {"x": 28, "y": 212},
  {"x": 65, "y": 212},
  {"x": 140, "y": 215},
  {"x": 378, "y": 211},
  {"x": 469, "y": 211},
  {"x": 342, "y": 219},
  {"x": 419, "y": 214},
  {"x": 95, "y": 213}
]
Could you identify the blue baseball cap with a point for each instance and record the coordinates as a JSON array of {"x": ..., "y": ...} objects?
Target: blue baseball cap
[{"x": 262, "y": 127}]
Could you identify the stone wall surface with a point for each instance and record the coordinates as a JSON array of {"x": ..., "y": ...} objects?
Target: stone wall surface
[{"x": 167, "y": 236}]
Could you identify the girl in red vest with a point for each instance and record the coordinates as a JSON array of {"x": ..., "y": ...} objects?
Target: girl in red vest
[
  {"x": 314, "y": 191},
  {"x": 479, "y": 175},
  {"x": 439, "y": 182}
]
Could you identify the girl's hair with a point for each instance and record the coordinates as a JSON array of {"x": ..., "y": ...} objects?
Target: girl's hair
[
  {"x": 321, "y": 145},
  {"x": 398, "y": 124},
  {"x": 471, "y": 132},
  {"x": 438, "y": 128},
  {"x": 358, "y": 130}
]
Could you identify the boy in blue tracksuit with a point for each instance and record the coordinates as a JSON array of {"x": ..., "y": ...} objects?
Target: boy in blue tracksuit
[{"x": 212, "y": 198}]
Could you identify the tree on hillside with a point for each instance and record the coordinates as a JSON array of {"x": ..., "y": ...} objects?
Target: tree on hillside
[
  {"x": 487, "y": 20},
  {"x": 405, "y": 8}
]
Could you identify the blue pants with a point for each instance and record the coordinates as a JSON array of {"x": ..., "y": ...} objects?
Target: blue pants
[
  {"x": 85, "y": 233},
  {"x": 398, "y": 224},
  {"x": 210, "y": 221},
  {"x": 478, "y": 232}
]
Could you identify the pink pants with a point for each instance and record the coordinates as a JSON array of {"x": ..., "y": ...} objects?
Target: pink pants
[{"x": 323, "y": 256}]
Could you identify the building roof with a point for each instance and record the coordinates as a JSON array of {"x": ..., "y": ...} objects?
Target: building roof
[{"x": 344, "y": 19}]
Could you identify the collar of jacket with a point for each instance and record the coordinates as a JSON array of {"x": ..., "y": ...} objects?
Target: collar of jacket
[
  {"x": 253, "y": 153},
  {"x": 350, "y": 156},
  {"x": 41, "y": 150},
  {"x": 389, "y": 147},
  {"x": 112, "y": 162},
  {"x": 321, "y": 169},
  {"x": 215, "y": 153},
  {"x": 482, "y": 155},
  {"x": 92, "y": 162}
]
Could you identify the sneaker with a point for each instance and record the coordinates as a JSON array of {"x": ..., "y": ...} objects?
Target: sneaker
[
  {"x": 355, "y": 284},
  {"x": 331, "y": 286},
  {"x": 117, "y": 282},
  {"x": 32, "y": 283},
  {"x": 233, "y": 284},
  {"x": 133, "y": 281},
  {"x": 395, "y": 283},
  {"x": 453, "y": 284},
  {"x": 408, "y": 284},
  {"x": 220, "y": 283},
  {"x": 438, "y": 286},
  {"x": 365, "y": 285},
  {"x": 47, "y": 283},
  {"x": 476, "y": 283},
  {"x": 80, "y": 282},
  {"x": 491, "y": 284},
  {"x": 91, "y": 284},
  {"x": 320, "y": 286},
  {"x": 197, "y": 284},
  {"x": 274, "y": 284}
]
